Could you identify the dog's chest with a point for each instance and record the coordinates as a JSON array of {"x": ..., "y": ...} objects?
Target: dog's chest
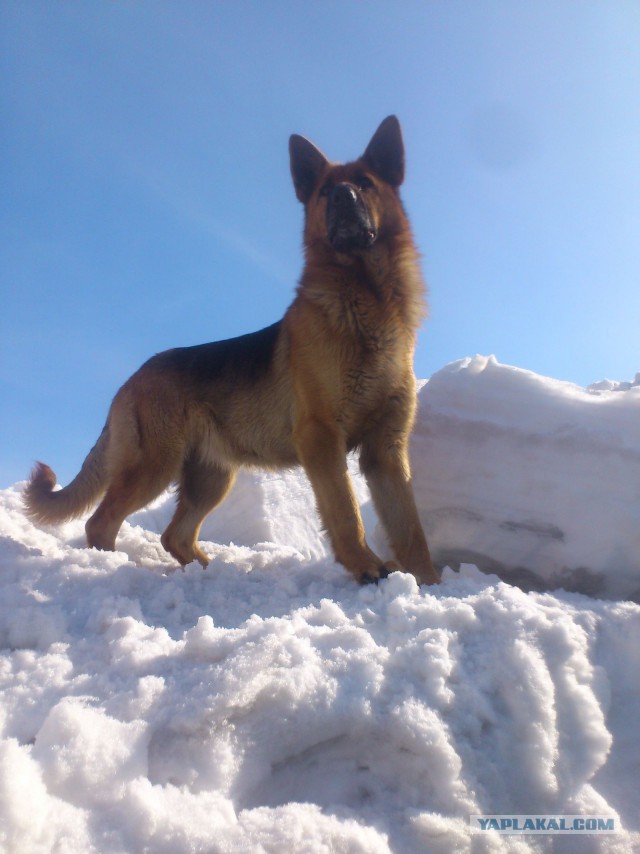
[{"x": 373, "y": 368}]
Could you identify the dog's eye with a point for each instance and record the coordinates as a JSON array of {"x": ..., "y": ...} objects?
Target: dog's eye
[
  {"x": 365, "y": 183},
  {"x": 325, "y": 190}
]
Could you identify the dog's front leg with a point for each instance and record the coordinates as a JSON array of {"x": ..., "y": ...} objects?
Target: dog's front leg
[
  {"x": 322, "y": 451},
  {"x": 384, "y": 461}
]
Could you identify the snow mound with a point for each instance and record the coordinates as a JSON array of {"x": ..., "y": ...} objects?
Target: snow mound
[
  {"x": 270, "y": 704},
  {"x": 535, "y": 479}
]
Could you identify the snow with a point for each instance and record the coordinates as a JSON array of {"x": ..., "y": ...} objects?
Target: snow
[
  {"x": 536, "y": 479},
  {"x": 270, "y": 704}
]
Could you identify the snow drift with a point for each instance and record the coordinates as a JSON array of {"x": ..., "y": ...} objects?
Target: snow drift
[
  {"x": 271, "y": 704},
  {"x": 536, "y": 479}
]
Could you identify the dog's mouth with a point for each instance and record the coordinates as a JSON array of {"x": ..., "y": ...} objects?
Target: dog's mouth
[
  {"x": 349, "y": 225},
  {"x": 348, "y": 238}
]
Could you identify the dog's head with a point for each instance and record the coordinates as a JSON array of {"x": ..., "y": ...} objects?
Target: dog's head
[{"x": 351, "y": 206}]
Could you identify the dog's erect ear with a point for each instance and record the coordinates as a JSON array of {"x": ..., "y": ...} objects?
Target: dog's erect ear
[
  {"x": 307, "y": 162},
  {"x": 385, "y": 152}
]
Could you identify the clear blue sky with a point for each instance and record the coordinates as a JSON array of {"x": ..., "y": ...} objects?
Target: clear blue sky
[{"x": 146, "y": 201}]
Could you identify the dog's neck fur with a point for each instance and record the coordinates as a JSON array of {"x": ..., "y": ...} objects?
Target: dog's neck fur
[{"x": 391, "y": 287}]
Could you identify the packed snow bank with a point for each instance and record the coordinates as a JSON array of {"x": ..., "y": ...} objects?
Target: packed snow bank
[
  {"x": 270, "y": 704},
  {"x": 532, "y": 478}
]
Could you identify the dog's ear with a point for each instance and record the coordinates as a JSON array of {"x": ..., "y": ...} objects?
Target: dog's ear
[
  {"x": 307, "y": 163},
  {"x": 385, "y": 152}
]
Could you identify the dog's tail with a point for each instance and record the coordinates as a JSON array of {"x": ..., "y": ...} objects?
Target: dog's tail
[{"x": 44, "y": 505}]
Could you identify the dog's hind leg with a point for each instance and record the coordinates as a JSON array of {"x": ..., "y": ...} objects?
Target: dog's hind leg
[
  {"x": 130, "y": 488},
  {"x": 202, "y": 487}
]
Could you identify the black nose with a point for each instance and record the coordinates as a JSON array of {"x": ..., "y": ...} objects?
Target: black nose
[{"x": 343, "y": 196}]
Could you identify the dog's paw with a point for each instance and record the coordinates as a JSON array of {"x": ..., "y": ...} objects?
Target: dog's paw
[{"x": 382, "y": 571}]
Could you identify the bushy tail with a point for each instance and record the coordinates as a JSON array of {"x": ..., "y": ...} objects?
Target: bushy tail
[{"x": 44, "y": 505}]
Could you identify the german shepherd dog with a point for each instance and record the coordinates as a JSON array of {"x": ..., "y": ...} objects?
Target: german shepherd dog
[{"x": 335, "y": 374}]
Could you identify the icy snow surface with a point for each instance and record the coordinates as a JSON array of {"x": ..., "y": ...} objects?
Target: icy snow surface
[{"x": 269, "y": 704}]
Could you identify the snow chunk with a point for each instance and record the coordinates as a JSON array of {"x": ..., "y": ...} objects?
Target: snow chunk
[{"x": 534, "y": 479}]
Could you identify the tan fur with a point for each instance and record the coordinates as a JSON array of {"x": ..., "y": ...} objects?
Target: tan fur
[{"x": 334, "y": 375}]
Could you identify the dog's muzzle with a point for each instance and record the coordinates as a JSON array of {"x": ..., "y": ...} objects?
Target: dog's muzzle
[{"x": 349, "y": 225}]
